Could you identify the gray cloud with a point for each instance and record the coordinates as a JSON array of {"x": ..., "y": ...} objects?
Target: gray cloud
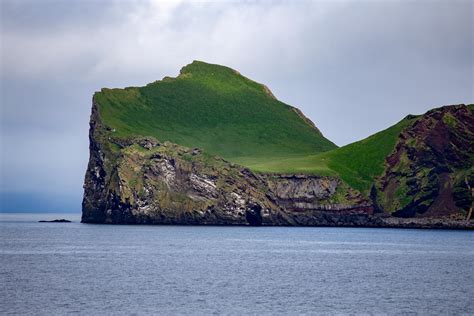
[{"x": 354, "y": 67}]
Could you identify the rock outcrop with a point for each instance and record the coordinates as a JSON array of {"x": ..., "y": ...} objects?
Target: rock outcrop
[{"x": 430, "y": 172}]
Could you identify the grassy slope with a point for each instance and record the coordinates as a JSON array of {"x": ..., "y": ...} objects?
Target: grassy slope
[
  {"x": 357, "y": 163},
  {"x": 214, "y": 108}
]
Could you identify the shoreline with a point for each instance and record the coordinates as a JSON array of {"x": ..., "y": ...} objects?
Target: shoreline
[{"x": 370, "y": 222}]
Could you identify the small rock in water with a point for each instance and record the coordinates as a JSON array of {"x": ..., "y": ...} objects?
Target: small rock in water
[{"x": 62, "y": 220}]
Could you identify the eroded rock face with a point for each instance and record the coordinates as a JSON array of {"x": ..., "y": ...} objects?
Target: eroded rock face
[
  {"x": 429, "y": 172},
  {"x": 309, "y": 193},
  {"x": 302, "y": 187}
]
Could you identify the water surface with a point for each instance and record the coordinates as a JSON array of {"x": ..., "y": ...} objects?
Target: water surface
[{"x": 56, "y": 268}]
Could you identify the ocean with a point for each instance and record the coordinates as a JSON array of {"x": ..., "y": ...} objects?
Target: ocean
[{"x": 60, "y": 268}]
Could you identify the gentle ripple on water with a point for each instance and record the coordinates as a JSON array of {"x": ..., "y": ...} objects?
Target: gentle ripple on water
[{"x": 53, "y": 268}]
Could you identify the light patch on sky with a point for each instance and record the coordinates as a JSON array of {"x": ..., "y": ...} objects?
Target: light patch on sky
[{"x": 353, "y": 67}]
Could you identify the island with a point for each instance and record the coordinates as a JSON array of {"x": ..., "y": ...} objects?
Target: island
[{"x": 212, "y": 147}]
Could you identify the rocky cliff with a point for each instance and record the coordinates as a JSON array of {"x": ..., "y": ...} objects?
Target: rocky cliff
[{"x": 430, "y": 172}]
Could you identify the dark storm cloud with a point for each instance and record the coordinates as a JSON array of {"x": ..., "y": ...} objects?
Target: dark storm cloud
[{"x": 354, "y": 67}]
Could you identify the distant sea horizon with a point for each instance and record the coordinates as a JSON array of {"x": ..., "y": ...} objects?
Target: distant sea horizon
[
  {"x": 38, "y": 216},
  {"x": 40, "y": 212}
]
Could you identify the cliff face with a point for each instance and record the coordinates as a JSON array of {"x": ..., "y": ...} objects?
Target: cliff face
[{"x": 430, "y": 173}]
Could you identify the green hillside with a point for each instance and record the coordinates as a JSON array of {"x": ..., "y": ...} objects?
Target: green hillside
[
  {"x": 357, "y": 163},
  {"x": 214, "y": 108}
]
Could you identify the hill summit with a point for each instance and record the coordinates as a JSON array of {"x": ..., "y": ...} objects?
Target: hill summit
[{"x": 216, "y": 109}]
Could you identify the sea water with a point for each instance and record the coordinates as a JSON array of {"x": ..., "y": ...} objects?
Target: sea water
[{"x": 58, "y": 268}]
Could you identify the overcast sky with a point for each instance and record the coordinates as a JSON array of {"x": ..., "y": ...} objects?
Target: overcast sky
[{"x": 353, "y": 67}]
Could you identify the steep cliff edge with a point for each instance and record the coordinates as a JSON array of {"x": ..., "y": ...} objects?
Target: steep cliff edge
[
  {"x": 184, "y": 151},
  {"x": 430, "y": 173}
]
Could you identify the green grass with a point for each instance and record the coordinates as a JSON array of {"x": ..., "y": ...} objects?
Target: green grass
[
  {"x": 220, "y": 111},
  {"x": 214, "y": 108},
  {"x": 357, "y": 163},
  {"x": 310, "y": 164}
]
